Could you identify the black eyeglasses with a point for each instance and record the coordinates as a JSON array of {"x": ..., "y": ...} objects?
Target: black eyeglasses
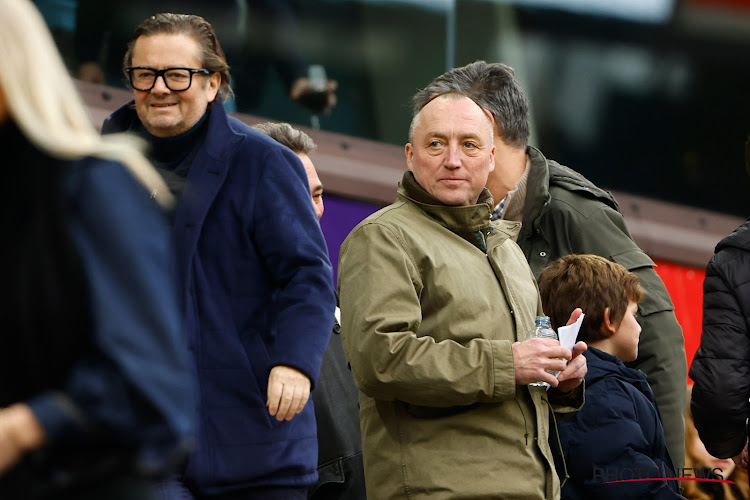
[{"x": 176, "y": 79}]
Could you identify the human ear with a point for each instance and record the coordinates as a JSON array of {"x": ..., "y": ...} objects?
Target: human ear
[
  {"x": 214, "y": 82},
  {"x": 409, "y": 152},
  {"x": 607, "y": 325}
]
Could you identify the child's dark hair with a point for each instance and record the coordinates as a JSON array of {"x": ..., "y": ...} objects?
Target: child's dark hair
[{"x": 592, "y": 283}]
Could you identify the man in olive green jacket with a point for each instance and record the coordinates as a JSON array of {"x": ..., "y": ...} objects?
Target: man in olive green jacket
[
  {"x": 564, "y": 213},
  {"x": 436, "y": 302}
]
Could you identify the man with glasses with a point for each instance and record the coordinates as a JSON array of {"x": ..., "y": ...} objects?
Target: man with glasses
[{"x": 253, "y": 267}]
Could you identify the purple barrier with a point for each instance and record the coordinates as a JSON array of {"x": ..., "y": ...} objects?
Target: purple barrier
[{"x": 340, "y": 217}]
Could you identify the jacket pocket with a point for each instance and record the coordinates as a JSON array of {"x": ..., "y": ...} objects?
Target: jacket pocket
[{"x": 260, "y": 369}]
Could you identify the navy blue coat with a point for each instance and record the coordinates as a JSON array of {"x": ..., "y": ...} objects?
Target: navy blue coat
[
  {"x": 257, "y": 292},
  {"x": 125, "y": 403},
  {"x": 616, "y": 436}
]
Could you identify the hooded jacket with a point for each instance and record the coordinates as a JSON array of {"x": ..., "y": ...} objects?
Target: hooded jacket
[
  {"x": 564, "y": 213},
  {"x": 257, "y": 292},
  {"x": 721, "y": 367},
  {"x": 432, "y": 298},
  {"x": 616, "y": 436}
]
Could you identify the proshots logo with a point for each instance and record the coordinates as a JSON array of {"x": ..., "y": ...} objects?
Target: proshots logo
[{"x": 613, "y": 475}]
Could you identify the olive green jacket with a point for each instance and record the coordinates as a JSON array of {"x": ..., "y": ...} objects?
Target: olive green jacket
[
  {"x": 564, "y": 213},
  {"x": 428, "y": 319}
]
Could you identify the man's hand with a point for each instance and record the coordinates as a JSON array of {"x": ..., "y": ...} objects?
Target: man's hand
[
  {"x": 288, "y": 392},
  {"x": 20, "y": 432},
  {"x": 533, "y": 357},
  {"x": 741, "y": 459},
  {"x": 573, "y": 374}
]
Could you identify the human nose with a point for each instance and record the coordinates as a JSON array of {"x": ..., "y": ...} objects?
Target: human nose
[
  {"x": 160, "y": 85},
  {"x": 453, "y": 156}
]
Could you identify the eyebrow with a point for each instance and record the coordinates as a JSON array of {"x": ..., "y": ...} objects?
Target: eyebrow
[{"x": 442, "y": 135}]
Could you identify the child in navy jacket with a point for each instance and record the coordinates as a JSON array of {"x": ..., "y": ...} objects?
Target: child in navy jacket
[{"x": 614, "y": 447}]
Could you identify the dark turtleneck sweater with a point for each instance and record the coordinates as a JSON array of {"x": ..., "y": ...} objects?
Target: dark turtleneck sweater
[{"x": 173, "y": 156}]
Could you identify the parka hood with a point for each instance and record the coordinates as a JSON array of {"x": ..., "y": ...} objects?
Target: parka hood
[{"x": 740, "y": 238}]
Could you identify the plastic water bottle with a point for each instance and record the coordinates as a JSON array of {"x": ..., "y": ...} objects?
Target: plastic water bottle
[{"x": 543, "y": 329}]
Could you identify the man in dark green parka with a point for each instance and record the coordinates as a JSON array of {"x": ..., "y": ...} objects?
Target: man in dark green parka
[{"x": 564, "y": 213}]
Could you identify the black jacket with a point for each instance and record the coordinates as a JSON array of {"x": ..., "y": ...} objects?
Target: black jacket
[
  {"x": 341, "y": 474},
  {"x": 617, "y": 436},
  {"x": 721, "y": 367}
]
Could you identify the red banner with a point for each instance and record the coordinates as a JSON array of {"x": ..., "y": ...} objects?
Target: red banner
[{"x": 685, "y": 286}]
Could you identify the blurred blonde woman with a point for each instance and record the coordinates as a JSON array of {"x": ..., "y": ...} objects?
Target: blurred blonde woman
[
  {"x": 95, "y": 390},
  {"x": 699, "y": 462}
]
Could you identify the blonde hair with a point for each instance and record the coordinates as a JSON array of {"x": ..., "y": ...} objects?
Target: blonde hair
[{"x": 44, "y": 104}]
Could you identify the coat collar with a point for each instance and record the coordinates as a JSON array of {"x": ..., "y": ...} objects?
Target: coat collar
[
  {"x": 455, "y": 218},
  {"x": 537, "y": 187},
  {"x": 204, "y": 181},
  {"x": 602, "y": 364},
  {"x": 218, "y": 135},
  {"x": 206, "y": 176}
]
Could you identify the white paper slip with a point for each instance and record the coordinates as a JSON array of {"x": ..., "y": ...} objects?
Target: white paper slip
[{"x": 569, "y": 334}]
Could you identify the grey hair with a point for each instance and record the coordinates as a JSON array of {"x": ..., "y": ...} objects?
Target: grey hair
[
  {"x": 450, "y": 95},
  {"x": 283, "y": 133},
  {"x": 45, "y": 105},
  {"x": 494, "y": 88}
]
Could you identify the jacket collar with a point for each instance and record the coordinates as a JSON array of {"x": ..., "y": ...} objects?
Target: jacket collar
[
  {"x": 220, "y": 139},
  {"x": 204, "y": 180},
  {"x": 124, "y": 119},
  {"x": 455, "y": 218},
  {"x": 537, "y": 187},
  {"x": 601, "y": 364}
]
